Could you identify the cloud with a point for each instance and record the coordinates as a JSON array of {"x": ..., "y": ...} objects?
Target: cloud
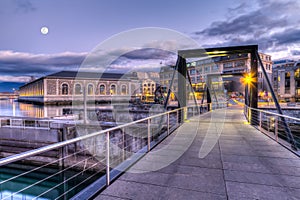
[
  {"x": 24, "y": 6},
  {"x": 147, "y": 53},
  {"x": 20, "y": 66},
  {"x": 295, "y": 52},
  {"x": 19, "y": 79},
  {"x": 273, "y": 25},
  {"x": 27, "y": 64},
  {"x": 146, "y": 59}
]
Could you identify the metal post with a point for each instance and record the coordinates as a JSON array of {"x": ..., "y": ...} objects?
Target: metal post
[
  {"x": 253, "y": 86},
  {"x": 286, "y": 126},
  {"x": 123, "y": 138},
  {"x": 182, "y": 72},
  {"x": 276, "y": 128},
  {"x": 260, "y": 120},
  {"x": 84, "y": 105},
  {"x": 177, "y": 118},
  {"x": 107, "y": 160},
  {"x": 148, "y": 136},
  {"x": 168, "y": 123}
]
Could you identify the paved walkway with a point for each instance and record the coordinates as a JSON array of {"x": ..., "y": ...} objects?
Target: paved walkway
[{"x": 243, "y": 164}]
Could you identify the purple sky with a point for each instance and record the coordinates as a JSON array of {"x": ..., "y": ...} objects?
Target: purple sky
[{"x": 77, "y": 27}]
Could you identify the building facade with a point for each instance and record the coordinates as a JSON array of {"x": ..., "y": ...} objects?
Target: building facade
[
  {"x": 67, "y": 86},
  {"x": 211, "y": 69},
  {"x": 286, "y": 80}
]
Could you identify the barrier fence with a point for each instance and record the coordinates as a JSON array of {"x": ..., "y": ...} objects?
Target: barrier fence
[
  {"x": 276, "y": 126},
  {"x": 88, "y": 158}
]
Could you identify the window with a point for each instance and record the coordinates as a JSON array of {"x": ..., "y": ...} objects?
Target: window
[
  {"x": 207, "y": 68},
  {"x": 240, "y": 63},
  {"x": 297, "y": 73},
  {"x": 124, "y": 90},
  {"x": 90, "y": 89},
  {"x": 192, "y": 71},
  {"x": 215, "y": 68},
  {"x": 102, "y": 89},
  {"x": 227, "y": 65},
  {"x": 78, "y": 88},
  {"x": 64, "y": 89},
  {"x": 113, "y": 89}
]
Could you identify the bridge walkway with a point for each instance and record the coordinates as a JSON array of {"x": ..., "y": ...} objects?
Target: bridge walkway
[{"x": 243, "y": 164}]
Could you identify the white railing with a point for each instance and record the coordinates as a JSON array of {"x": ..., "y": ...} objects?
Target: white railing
[
  {"x": 94, "y": 154},
  {"x": 276, "y": 126}
]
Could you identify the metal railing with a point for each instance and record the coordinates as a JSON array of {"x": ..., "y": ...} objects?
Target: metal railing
[
  {"x": 274, "y": 125},
  {"x": 25, "y": 123},
  {"x": 67, "y": 167}
]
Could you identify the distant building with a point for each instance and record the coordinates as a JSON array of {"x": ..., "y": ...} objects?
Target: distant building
[
  {"x": 236, "y": 64},
  {"x": 67, "y": 86},
  {"x": 286, "y": 80}
]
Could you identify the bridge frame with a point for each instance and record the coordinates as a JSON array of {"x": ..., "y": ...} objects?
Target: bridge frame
[
  {"x": 251, "y": 95},
  {"x": 251, "y": 90}
]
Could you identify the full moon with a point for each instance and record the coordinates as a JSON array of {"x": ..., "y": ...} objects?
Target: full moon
[{"x": 44, "y": 30}]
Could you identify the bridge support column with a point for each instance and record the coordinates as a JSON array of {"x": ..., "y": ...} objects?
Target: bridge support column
[
  {"x": 253, "y": 96},
  {"x": 182, "y": 70}
]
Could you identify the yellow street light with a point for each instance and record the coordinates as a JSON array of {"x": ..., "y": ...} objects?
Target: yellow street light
[{"x": 247, "y": 79}]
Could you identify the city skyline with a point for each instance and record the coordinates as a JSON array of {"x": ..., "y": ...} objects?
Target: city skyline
[{"x": 77, "y": 27}]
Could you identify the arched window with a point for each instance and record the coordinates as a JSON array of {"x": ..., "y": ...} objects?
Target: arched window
[
  {"x": 78, "y": 89},
  {"x": 64, "y": 89},
  {"x": 102, "y": 89},
  {"x": 297, "y": 73},
  {"x": 90, "y": 89},
  {"x": 124, "y": 90},
  {"x": 113, "y": 89}
]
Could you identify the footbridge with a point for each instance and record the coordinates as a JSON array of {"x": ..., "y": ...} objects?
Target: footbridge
[{"x": 206, "y": 150}]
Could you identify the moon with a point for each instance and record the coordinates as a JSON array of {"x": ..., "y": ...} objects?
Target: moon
[{"x": 44, "y": 30}]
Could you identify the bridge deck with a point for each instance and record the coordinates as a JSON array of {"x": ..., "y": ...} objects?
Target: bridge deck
[{"x": 243, "y": 164}]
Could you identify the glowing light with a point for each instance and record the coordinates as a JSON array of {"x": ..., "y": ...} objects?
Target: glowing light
[{"x": 247, "y": 79}]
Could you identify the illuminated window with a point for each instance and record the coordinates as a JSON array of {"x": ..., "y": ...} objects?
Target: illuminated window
[
  {"x": 113, "y": 89},
  {"x": 64, "y": 89},
  {"x": 297, "y": 73},
  {"x": 78, "y": 89},
  {"x": 102, "y": 89},
  {"x": 124, "y": 90},
  {"x": 90, "y": 89}
]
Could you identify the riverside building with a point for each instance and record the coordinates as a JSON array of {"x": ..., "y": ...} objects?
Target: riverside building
[{"x": 67, "y": 86}]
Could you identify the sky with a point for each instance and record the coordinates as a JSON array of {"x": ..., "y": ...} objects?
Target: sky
[{"x": 77, "y": 27}]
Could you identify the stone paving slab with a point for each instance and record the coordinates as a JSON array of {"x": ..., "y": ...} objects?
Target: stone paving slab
[{"x": 243, "y": 164}]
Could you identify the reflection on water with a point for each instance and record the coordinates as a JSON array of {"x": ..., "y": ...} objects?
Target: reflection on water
[{"x": 10, "y": 107}]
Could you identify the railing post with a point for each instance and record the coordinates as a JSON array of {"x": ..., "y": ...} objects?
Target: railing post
[
  {"x": 168, "y": 123},
  {"x": 148, "y": 136},
  {"x": 123, "y": 138},
  {"x": 276, "y": 128},
  {"x": 107, "y": 160},
  {"x": 260, "y": 120},
  {"x": 177, "y": 118}
]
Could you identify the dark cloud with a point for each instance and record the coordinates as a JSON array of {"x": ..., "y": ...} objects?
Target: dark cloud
[
  {"x": 255, "y": 23},
  {"x": 147, "y": 53},
  {"x": 16, "y": 63},
  {"x": 24, "y": 6},
  {"x": 295, "y": 52},
  {"x": 288, "y": 36},
  {"x": 273, "y": 25}
]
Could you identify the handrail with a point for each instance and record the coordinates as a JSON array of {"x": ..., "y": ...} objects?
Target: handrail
[
  {"x": 268, "y": 112},
  {"x": 106, "y": 159},
  {"x": 276, "y": 120},
  {"x": 40, "y": 150}
]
